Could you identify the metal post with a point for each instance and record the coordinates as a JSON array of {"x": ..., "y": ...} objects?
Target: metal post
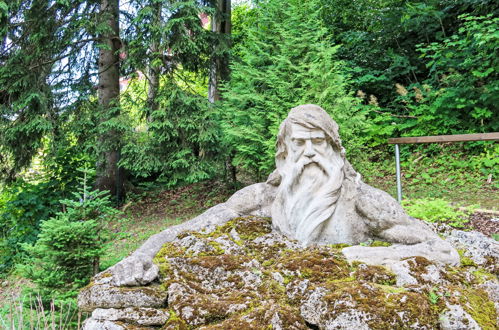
[{"x": 399, "y": 180}]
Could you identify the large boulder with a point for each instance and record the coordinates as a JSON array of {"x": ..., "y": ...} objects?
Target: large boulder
[{"x": 243, "y": 274}]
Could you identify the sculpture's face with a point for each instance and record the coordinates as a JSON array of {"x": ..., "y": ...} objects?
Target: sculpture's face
[
  {"x": 306, "y": 143},
  {"x": 312, "y": 175}
]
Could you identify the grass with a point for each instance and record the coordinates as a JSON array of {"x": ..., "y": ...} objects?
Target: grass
[
  {"x": 449, "y": 176},
  {"x": 28, "y": 312},
  {"x": 152, "y": 211}
]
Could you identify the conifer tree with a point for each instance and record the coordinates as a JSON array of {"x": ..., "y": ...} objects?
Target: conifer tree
[{"x": 287, "y": 59}]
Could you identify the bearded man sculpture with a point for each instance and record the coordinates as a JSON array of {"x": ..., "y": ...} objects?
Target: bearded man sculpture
[{"x": 313, "y": 196}]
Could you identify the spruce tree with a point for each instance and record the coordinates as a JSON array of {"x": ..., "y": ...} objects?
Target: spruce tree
[{"x": 286, "y": 59}]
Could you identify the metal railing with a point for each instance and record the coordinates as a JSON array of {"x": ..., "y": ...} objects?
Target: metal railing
[{"x": 434, "y": 139}]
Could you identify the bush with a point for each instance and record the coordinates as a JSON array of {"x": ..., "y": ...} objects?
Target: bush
[
  {"x": 67, "y": 252},
  {"x": 23, "y": 207},
  {"x": 437, "y": 210}
]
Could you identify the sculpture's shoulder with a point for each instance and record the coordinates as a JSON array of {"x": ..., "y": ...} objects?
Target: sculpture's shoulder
[
  {"x": 379, "y": 207},
  {"x": 255, "y": 199}
]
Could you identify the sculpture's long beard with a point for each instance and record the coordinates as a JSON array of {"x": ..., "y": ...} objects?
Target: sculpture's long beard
[{"x": 308, "y": 196}]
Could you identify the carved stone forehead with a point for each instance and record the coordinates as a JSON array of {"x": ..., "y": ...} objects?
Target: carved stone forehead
[
  {"x": 302, "y": 132},
  {"x": 310, "y": 116},
  {"x": 313, "y": 117}
]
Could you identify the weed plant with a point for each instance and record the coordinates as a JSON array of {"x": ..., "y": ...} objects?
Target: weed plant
[
  {"x": 438, "y": 210},
  {"x": 29, "y": 312}
]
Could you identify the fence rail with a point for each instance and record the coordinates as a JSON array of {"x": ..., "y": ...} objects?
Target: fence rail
[
  {"x": 494, "y": 136},
  {"x": 446, "y": 138}
]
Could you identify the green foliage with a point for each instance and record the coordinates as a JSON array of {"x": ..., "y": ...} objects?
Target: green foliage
[
  {"x": 421, "y": 68},
  {"x": 437, "y": 210},
  {"x": 433, "y": 296},
  {"x": 179, "y": 143},
  {"x": 67, "y": 251},
  {"x": 23, "y": 207},
  {"x": 26, "y": 203},
  {"x": 42, "y": 70},
  {"x": 286, "y": 59},
  {"x": 463, "y": 69}
]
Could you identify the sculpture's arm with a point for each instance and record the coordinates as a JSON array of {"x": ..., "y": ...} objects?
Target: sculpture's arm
[
  {"x": 138, "y": 268},
  {"x": 387, "y": 220}
]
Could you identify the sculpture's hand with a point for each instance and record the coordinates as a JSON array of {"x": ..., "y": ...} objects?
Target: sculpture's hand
[
  {"x": 436, "y": 250},
  {"x": 137, "y": 269}
]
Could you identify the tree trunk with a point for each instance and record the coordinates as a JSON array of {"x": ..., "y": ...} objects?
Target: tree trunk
[
  {"x": 221, "y": 24},
  {"x": 109, "y": 176},
  {"x": 153, "y": 71},
  {"x": 219, "y": 71}
]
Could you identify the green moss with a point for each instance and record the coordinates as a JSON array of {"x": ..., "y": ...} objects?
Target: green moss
[
  {"x": 467, "y": 262},
  {"x": 217, "y": 247},
  {"x": 391, "y": 289},
  {"x": 248, "y": 228},
  {"x": 226, "y": 261},
  {"x": 477, "y": 303},
  {"x": 339, "y": 246},
  {"x": 171, "y": 250},
  {"x": 106, "y": 274},
  {"x": 316, "y": 264},
  {"x": 383, "y": 303},
  {"x": 175, "y": 322},
  {"x": 260, "y": 317},
  {"x": 375, "y": 274},
  {"x": 380, "y": 243},
  {"x": 418, "y": 266},
  {"x": 483, "y": 276}
]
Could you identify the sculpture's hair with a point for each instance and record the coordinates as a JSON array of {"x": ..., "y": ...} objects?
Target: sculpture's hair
[{"x": 309, "y": 116}]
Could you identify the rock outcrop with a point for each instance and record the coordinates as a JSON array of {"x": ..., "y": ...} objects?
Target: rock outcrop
[{"x": 245, "y": 275}]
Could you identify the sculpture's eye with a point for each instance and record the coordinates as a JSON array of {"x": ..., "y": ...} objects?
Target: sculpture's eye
[
  {"x": 318, "y": 141},
  {"x": 298, "y": 142}
]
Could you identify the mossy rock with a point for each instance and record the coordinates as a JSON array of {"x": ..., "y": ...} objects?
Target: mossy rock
[{"x": 270, "y": 281}]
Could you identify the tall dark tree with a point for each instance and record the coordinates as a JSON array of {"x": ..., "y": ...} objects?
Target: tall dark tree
[
  {"x": 221, "y": 26},
  {"x": 45, "y": 57},
  {"x": 109, "y": 176}
]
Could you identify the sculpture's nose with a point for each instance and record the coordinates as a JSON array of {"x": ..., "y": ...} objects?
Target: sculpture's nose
[{"x": 309, "y": 149}]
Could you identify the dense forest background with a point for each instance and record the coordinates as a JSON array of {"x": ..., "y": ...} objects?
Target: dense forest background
[{"x": 101, "y": 98}]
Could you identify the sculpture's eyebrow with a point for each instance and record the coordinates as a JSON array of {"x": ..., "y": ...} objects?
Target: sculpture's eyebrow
[{"x": 317, "y": 135}]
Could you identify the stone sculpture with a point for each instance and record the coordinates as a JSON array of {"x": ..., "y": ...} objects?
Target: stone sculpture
[
  {"x": 267, "y": 257},
  {"x": 315, "y": 197}
]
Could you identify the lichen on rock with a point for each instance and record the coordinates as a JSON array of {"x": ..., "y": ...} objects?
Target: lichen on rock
[{"x": 244, "y": 275}]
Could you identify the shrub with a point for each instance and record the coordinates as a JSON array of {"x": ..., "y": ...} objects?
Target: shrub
[
  {"x": 67, "y": 252},
  {"x": 23, "y": 206},
  {"x": 437, "y": 210}
]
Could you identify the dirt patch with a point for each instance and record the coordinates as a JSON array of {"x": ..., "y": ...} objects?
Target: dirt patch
[{"x": 486, "y": 223}]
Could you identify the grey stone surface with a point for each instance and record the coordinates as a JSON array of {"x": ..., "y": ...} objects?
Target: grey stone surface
[
  {"x": 106, "y": 296},
  {"x": 484, "y": 251},
  {"x": 140, "y": 316},
  {"x": 348, "y": 320},
  {"x": 273, "y": 281},
  {"x": 92, "y": 324},
  {"x": 402, "y": 271},
  {"x": 314, "y": 307},
  {"x": 436, "y": 250},
  {"x": 456, "y": 318}
]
